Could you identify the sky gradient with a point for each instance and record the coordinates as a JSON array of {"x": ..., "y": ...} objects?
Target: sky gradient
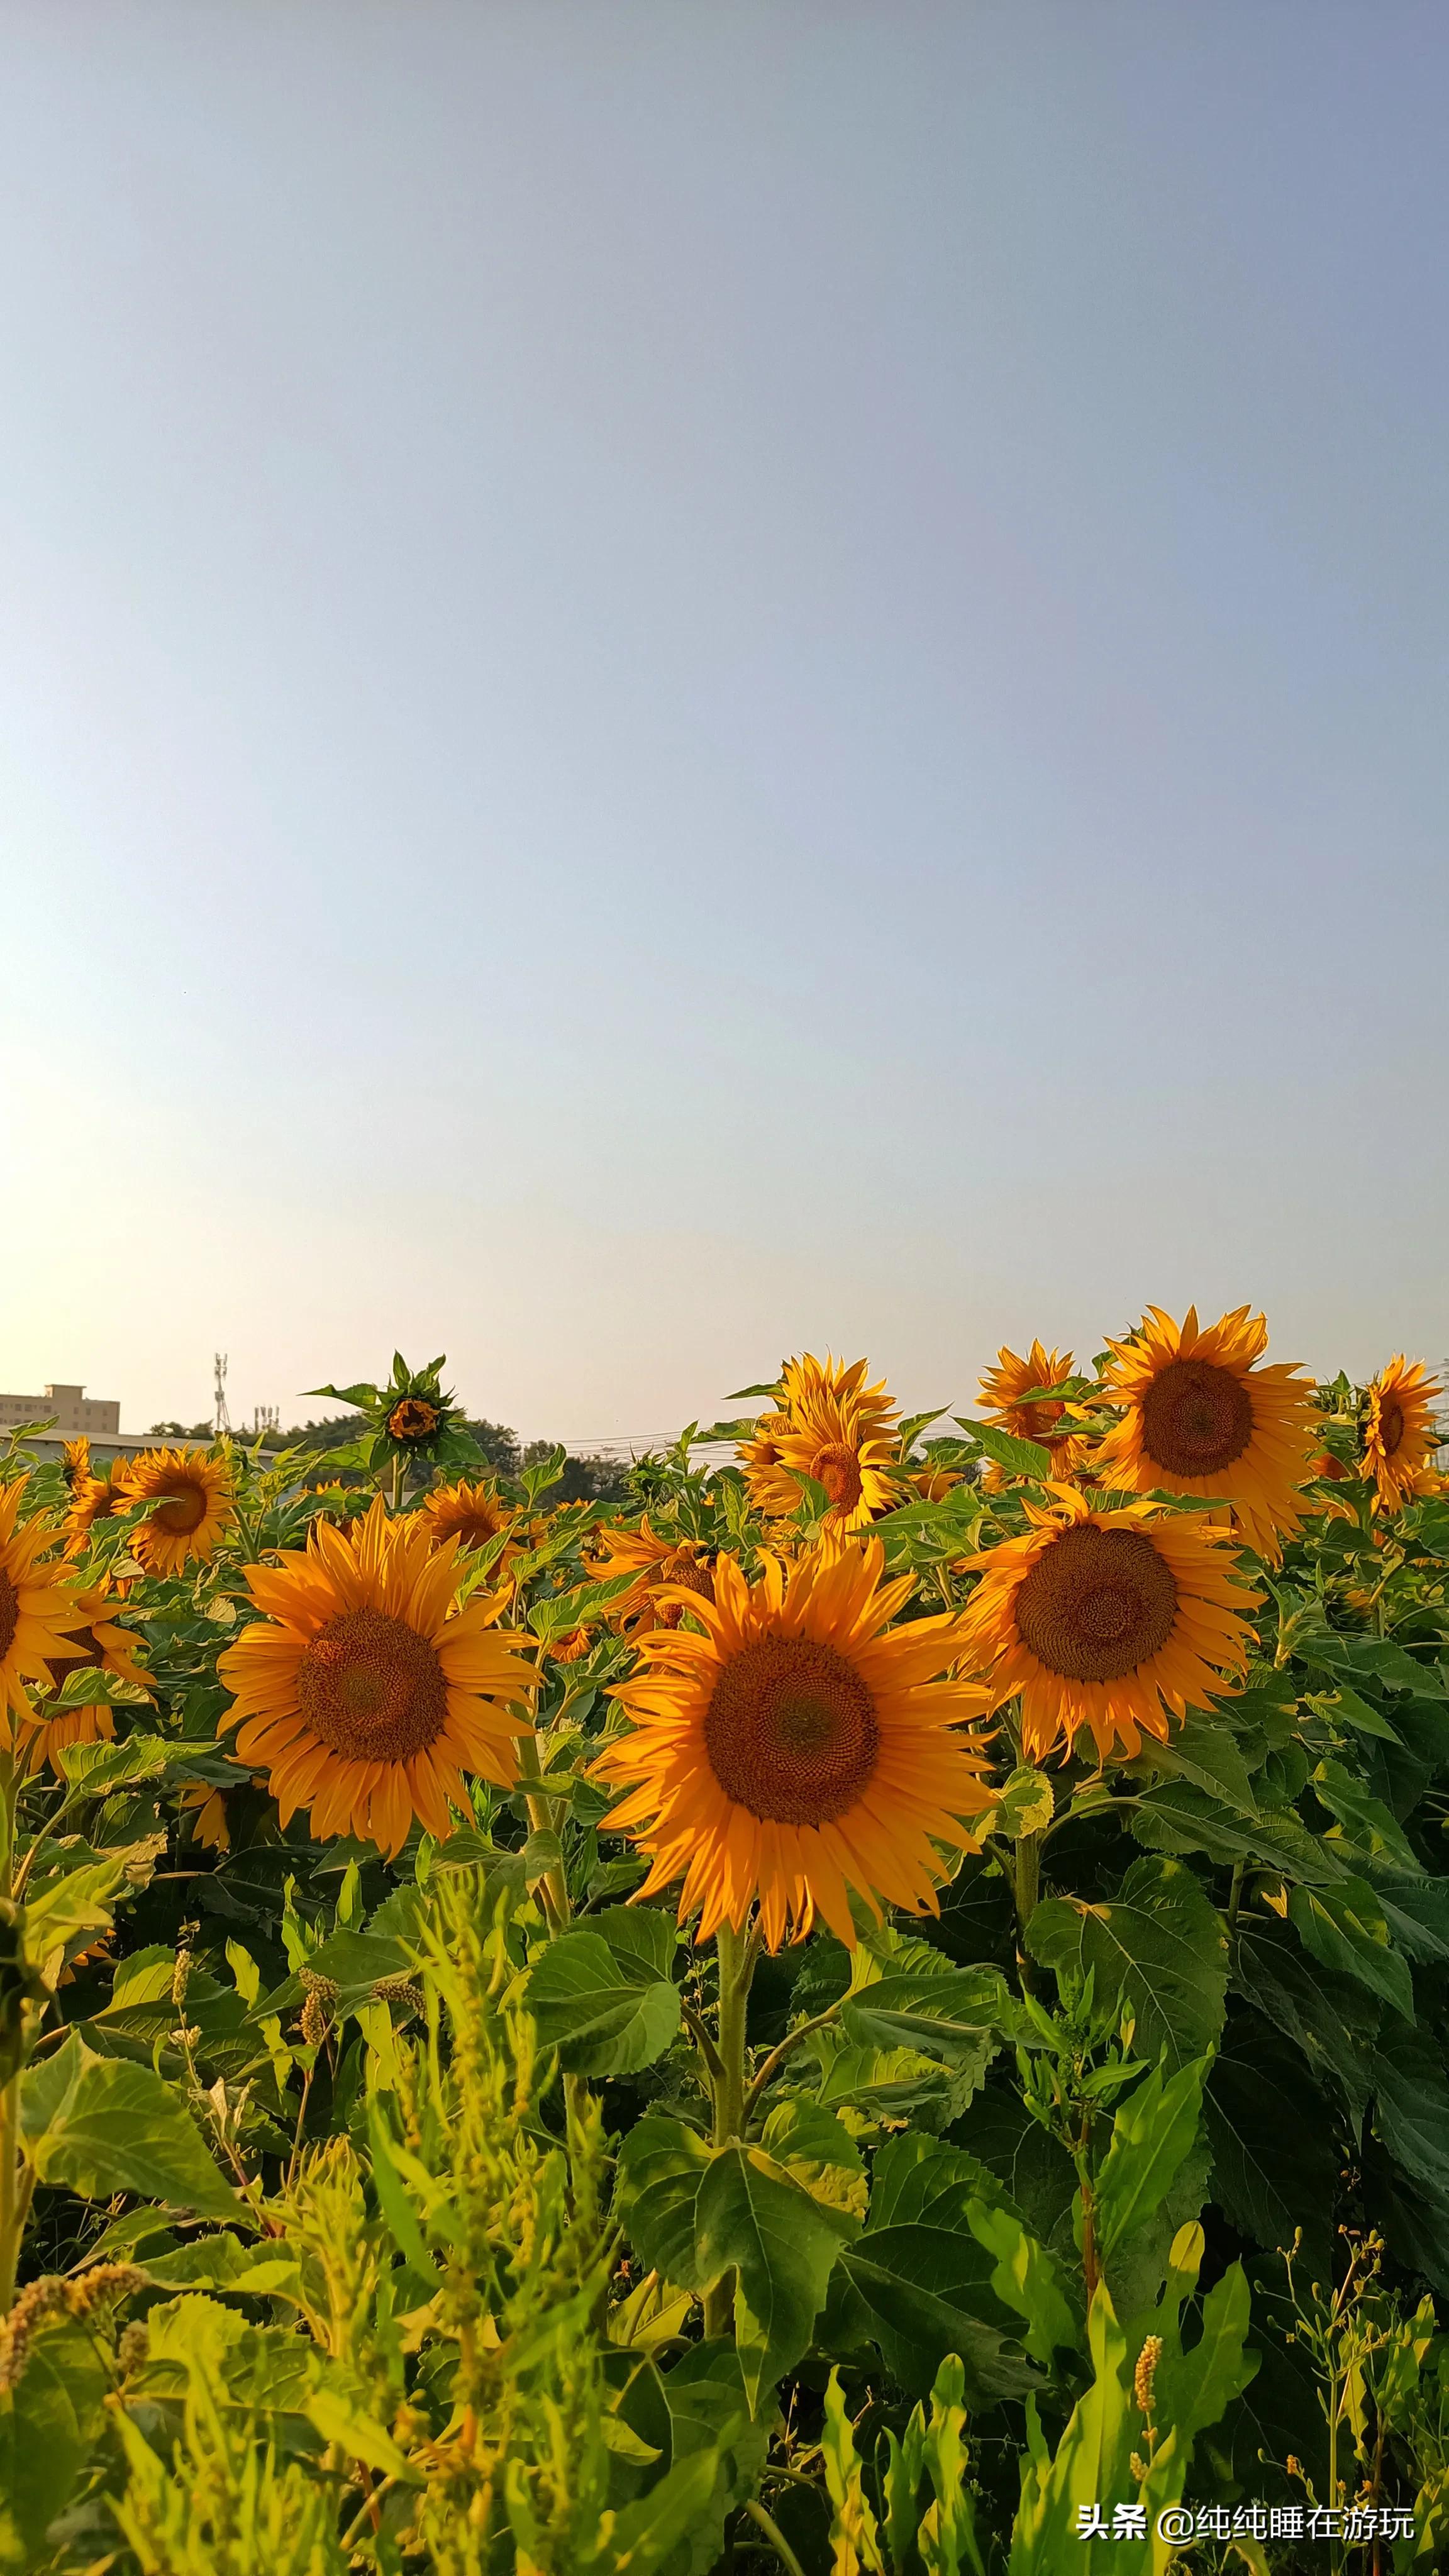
[{"x": 681, "y": 681}]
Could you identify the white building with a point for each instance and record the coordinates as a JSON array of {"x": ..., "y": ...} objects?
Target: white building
[{"x": 73, "y": 1409}]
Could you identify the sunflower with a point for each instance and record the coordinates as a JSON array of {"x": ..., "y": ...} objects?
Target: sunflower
[
  {"x": 363, "y": 1692},
  {"x": 657, "y": 1560},
  {"x": 95, "y": 1498},
  {"x": 1043, "y": 1420},
  {"x": 473, "y": 1514},
  {"x": 799, "y": 1747},
  {"x": 1400, "y": 1432},
  {"x": 75, "y": 1462},
  {"x": 1108, "y": 1620},
  {"x": 192, "y": 1494},
  {"x": 413, "y": 1419},
  {"x": 207, "y": 1807},
  {"x": 102, "y": 1645},
  {"x": 1201, "y": 1418},
  {"x": 831, "y": 1427},
  {"x": 39, "y": 1610}
]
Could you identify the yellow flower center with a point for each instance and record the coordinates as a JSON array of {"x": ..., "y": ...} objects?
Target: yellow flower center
[
  {"x": 838, "y": 1470},
  {"x": 183, "y": 1511},
  {"x": 1391, "y": 1423},
  {"x": 1097, "y": 1603},
  {"x": 371, "y": 1688},
  {"x": 1196, "y": 1419},
  {"x": 791, "y": 1731},
  {"x": 9, "y": 1613},
  {"x": 413, "y": 1419},
  {"x": 475, "y": 1529}
]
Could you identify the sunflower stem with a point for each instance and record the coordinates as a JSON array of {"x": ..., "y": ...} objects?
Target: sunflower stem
[
  {"x": 1026, "y": 1889},
  {"x": 736, "y": 1950},
  {"x": 12, "y": 2203}
]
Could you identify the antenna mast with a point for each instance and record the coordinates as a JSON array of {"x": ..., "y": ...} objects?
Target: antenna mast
[{"x": 223, "y": 1418}]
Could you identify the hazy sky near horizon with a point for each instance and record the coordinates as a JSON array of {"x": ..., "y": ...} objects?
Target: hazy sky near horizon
[{"x": 679, "y": 681}]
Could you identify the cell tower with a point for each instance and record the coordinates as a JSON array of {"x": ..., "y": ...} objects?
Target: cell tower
[
  {"x": 265, "y": 1417},
  {"x": 223, "y": 1418}
]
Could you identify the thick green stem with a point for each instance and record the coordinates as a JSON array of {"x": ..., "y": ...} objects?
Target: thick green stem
[
  {"x": 736, "y": 1952},
  {"x": 12, "y": 2204},
  {"x": 1026, "y": 1889}
]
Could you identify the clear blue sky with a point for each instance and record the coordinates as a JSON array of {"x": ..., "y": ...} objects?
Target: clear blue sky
[{"x": 678, "y": 680}]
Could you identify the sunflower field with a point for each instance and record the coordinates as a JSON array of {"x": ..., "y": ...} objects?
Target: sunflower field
[{"x": 879, "y": 2010}]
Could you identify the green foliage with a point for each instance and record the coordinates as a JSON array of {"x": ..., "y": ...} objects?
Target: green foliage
[{"x": 457, "y": 2213}]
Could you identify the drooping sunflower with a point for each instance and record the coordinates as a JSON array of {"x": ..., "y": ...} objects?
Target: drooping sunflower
[
  {"x": 75, "y": 1462},
  {"x": 1400, "y": 1432},
  {"x": 364, "y": 1693},
  {"x": 1201, "y": 1417},
  {"x": 1044, "y": 1420},
  {"x": 473, "y": 1514},
  {"x": 800, "y": 1747},
  {"x": 1112, "y": 1620},
  {"x": 663, "y": 1565},
  {"x": 103, "y": 1645},
  {"x": 40, "y": 1610},
  {"x": 95, "y": 1498},
  {"x": 194, "y": 1507},
  {"x": 831, "y": 1427}
]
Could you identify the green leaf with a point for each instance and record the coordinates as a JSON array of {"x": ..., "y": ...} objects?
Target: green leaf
[
  {"x": 782, "y": 2246},
  {"x": 1024, "y": 1805},
  {"x": 102, "y": 1765},
  {"x": 919, "y": 2293},
  {"x": 662, "y": 2166},
  {"x": 1345, "y": 1928},
  {"x": 1370, "y": 1660},
  {"x": 1345, "y": 1706},
  {"x": 395, "y": 2200},
  {"x": 1153, "y": 2131},
  {"x": 1367, "y": 1819},
  {"x": 1025, "y": 2278},
  {"x": 951, "y": 2013},
  {"x": 685, "y": 2501},
  {"x": 105, "y": 2124},
  {"x": 1412, "y": 2110},
  {"x": 339, "y": 2417},
  {"x": 1274, "y": 2158},
  {"x": 603, "y": 2007},
  {"x": 638, "y": 1933},
  {"x": 565, "y": 1611},
  {"x": 1180, "y": 1817},
  {"x": 811, "y": 2135},
  {"x": 1018, "y": 1457},
  {"x": 49, "y": 2433},
  {"x": 1208, "y": 1755},
  {"x": 1158, "y": 1943},
  {"x": 1330, "y": 2019}
]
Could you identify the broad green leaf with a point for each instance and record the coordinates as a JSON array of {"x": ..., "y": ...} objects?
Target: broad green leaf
[
  {"x": 950, "y": 2013},
  {"x": 662, "y": 2166},
  {"x": 103, "y": 1765},
  {"x": 782, "y": 2245},
  {"x": 1018, "y": 1457},
  {"x": 49, "y": 2431},
  {"x": 1412, "y": 2109},
  {"x": 83, "y": 1901},
  {"x": 919, "y": 2293},
  {"x": 921, "y": 2180},
  {"x": 1158, "y": 1943},
  {"x": 1372, "y": 1660},
  {"x": 1025, "y": 2278},
  {"x": 1152, "y": 2132},
  {"x": 1344, "y": 1926},
  {"x": 891, "y": 2083},
  {"x": 1367, "y": 1819},
  {"x": 1207, "y": 1754},
  {"x": 639, "y": 1932},
  {"x": 811, "y": 2134},
  {"x": 564, "y": 1611},
  {"x": 104, "y": 2124},
  {"x": 1024, "y": 1805},
  {"x": 604, "y": 2008},
  {"x": 1345, "y": 1706},
  {"x": 1274, "y": 2157},
  {"x": 1331, "y": 2019},
  {"x": 687, "y": 2500},
  {"x": 1180, "y": 1817}
]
